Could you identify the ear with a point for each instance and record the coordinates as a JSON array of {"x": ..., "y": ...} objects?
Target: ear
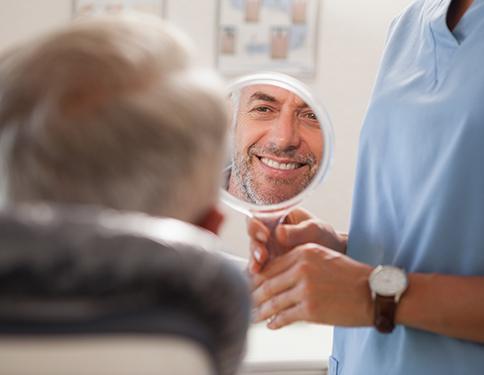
[{"x": 211, "y": 220}]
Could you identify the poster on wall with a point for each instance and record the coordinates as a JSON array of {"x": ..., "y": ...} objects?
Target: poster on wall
[
  {"x": 83, "y": 8},
  {"x": 276, "y": 35}
]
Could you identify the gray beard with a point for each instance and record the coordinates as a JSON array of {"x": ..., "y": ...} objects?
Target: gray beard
[{"x": 249, "y": 189}]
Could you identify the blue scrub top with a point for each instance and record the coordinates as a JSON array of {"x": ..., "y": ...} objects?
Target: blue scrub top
[{"x": 419, "y": 193}]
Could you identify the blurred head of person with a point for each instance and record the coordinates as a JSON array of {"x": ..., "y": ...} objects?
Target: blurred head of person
[{"x": 112, "y": 111}]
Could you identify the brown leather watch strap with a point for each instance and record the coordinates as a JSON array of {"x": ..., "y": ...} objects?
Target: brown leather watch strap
[{"x": 385, "y": 308}]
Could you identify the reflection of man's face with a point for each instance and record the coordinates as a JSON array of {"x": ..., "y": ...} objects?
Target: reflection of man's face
[{"x": 278, "y": 145}]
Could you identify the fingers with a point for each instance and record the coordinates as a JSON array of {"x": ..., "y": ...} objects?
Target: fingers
[
  {"x": 259, "y": 257},
  {"x": 283, "y": 309},
  {"x": 288, "y": 316},
  {"x": 297, "y": 234},
  {"x": 259, "y": 235},
  {"x": 257, "y": 230},
  {"x": 272, "y": 287},
  {"x": 277, "y": 306},
  {"x": 276, "y": 266},
  {"x": 279, "y": 301},
  {"x": 298, "y": 228},
  {"x": 297, "y": 215}
]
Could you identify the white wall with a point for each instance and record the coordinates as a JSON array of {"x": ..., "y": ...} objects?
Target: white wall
[{"x": 351, "y": 37}]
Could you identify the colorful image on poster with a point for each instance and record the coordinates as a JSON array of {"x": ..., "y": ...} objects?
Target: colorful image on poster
[{"x": 277, "y": 35}]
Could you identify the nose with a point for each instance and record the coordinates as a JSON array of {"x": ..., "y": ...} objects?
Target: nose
[{"x": 284, "y": 131}]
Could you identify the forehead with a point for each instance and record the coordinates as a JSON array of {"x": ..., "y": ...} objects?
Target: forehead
[{"x": 270, "y": 93}]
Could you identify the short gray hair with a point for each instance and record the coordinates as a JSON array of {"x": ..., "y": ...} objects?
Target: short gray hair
[{"x": 112, "y": 112}]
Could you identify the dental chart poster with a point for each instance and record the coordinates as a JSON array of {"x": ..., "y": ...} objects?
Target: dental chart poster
[
  {"x": 82, "y": 8},
  {"x": 277, "y": 35}
]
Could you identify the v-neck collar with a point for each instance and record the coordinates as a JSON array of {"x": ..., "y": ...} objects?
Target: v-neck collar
[
  {"x": 447, "y": 42},
  {"x": 440, "y": 30}
]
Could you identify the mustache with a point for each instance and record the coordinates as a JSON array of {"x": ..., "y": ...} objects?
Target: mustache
[{"x": 272, "y": 150}]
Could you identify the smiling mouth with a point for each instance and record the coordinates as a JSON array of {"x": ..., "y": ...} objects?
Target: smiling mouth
[{"x": 278, "y": 165}]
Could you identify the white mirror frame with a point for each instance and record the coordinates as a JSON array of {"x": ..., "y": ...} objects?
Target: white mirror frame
[{"x": 295, "y": 86}]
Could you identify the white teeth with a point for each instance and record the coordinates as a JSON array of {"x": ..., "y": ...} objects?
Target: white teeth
[{"x": 276, "y": 165}]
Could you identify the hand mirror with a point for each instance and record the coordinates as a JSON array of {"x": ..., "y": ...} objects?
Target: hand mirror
[{"x": 280, "y": 146}]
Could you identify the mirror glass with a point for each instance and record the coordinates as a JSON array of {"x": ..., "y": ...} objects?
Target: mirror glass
[{"x": 280, "y": 143}]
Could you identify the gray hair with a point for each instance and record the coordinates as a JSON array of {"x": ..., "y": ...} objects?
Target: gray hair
[{"x": 112, "y": 112}]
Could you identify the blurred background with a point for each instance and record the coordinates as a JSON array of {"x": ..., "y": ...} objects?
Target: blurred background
[{"x": 350, "y": 40}]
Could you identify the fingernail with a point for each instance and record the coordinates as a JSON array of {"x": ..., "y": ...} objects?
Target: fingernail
[
  {"x": 261, "y": 236},
  {"x": 257, "y": 255},
  {"x": 271, "y": 323}
]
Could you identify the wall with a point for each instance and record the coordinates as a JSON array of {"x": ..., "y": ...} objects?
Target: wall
[{"x": 351, "y": 38}]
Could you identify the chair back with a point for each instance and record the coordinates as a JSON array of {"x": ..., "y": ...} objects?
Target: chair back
[{"x": 96, "y": 291}]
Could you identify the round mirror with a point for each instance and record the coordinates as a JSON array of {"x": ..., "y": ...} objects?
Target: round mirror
[{"x": 280, "y": 144}]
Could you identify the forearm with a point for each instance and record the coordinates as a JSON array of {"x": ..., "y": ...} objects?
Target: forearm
[{"x": 447, "y": 305}]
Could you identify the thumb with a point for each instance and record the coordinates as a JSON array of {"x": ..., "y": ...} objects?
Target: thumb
[
  {"x": 297, "y": 216},
  {"x": 292, "y": 235}
]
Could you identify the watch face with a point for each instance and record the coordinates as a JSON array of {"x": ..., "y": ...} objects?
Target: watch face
[{"x": 388, "y": 281}]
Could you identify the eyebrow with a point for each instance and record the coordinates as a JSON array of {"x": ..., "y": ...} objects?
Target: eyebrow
[{"x": 259, "y": 95}]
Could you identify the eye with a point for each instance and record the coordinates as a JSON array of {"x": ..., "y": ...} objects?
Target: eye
[
  {"x": 309, "y": 118},
  {"x": 262, "y": 112},
  {"x": 261, "y": 109},
  {"x": 309, "y": 115}
]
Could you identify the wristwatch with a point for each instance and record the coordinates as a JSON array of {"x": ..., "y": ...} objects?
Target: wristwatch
[{"x": 387, "y": 284}]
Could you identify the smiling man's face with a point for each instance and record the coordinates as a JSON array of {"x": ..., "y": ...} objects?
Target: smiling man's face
[{"x": 278, "y": 145}]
